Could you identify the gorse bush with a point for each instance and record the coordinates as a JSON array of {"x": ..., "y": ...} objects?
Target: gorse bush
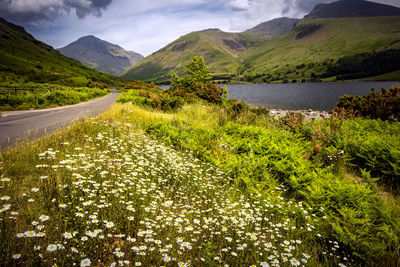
[
  {"x": 384, "y": 104},
  {"x": 159, "y": 100}
]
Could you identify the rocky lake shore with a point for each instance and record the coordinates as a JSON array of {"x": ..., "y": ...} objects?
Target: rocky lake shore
[{"x": 309, "y": 113}]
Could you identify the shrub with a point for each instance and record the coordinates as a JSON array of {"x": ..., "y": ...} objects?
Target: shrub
[
  {"x": 63, "y": 97},
  {"x": 235, "y": 107},
  {"x": 384, "y": 104},
  {"x": 133, "y": 97},
  {"x": 171, "y": 103}
]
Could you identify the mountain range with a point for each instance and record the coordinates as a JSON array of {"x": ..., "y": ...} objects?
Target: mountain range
[
  {"x": 101, "y": 55},
  {"x": 284, "y": 48}
]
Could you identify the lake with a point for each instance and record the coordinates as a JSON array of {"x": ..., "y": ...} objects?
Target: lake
[{"x": 316, "y": 96}]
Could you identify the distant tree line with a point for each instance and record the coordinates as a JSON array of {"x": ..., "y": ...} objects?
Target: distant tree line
[{"x": 364, "y": 65}]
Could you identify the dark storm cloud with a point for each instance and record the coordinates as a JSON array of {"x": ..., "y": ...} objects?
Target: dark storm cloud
[
  {"x": 28, "y": 12},
  {"x": 84, "y": 8}
]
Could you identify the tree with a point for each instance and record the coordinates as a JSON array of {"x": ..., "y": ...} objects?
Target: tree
[
  {"x": 198, "y": 70},
  {"x": 175, "y": 80}
]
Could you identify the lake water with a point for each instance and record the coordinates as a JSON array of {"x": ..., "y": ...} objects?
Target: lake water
[{"x": 316, "y": 96}]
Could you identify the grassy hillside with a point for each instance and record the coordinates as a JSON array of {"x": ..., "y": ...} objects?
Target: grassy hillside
[
  {"x": 315, "y": 42},
  {"x": 221, "y": 51},
  {"x": 309, "y": 48},
  {"x": 24, "y": 59}
]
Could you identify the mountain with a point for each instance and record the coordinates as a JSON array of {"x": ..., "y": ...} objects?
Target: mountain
[
  {"x": 287, "y": 49},
  {"x": 274, "y": 27},
  {"x": 101, "y": 55},
  {"x": 314, "y": 44},
  {"x": 25, "y": 59},
  {"x": 220, "y": 49},
  {"x": 352, "y": 8}
]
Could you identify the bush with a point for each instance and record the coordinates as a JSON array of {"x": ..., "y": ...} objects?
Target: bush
[
  {"x": 384, "y": 104},
  {"x": 133, "y": 97},
  {"x": 63, "y": 97},
  {"x": 152, "y": 99},
  {"x": 171, "y": 103}
]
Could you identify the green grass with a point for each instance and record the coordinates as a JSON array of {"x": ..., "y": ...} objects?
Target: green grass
[{"x": 206, "y": 185}]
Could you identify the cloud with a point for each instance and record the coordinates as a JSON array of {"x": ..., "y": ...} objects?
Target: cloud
[
  {"x": 238, "y": 4},
  {"x": 33, "y": 13}
]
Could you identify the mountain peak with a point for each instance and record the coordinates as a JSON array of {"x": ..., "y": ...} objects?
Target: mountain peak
[
  {"x": 352, "y": 8},
  {"x": 90, "y": 37},
  {"x": 100, "y": 54}
]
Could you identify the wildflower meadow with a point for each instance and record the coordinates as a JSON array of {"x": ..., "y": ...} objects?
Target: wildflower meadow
[{"x": 103, "y": 193}]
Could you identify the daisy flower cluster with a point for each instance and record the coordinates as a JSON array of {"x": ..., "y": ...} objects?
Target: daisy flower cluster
[{"x": 121, "y": 198}]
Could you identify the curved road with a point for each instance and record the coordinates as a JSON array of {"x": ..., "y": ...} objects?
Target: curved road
[{"x": 15, "y": 125}]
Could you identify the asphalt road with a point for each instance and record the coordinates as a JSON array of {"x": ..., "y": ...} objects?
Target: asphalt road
[{"x": 15, "y": 125}]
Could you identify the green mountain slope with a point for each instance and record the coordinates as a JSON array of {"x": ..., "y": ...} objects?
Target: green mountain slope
[
  {"x": 314, "y": 43},
  {"x": 24, "y": 59},
  {"x": 221, "y": 51}
]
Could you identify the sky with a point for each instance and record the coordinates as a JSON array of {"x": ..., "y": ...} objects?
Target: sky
[{"x": 145, "y": 26}]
